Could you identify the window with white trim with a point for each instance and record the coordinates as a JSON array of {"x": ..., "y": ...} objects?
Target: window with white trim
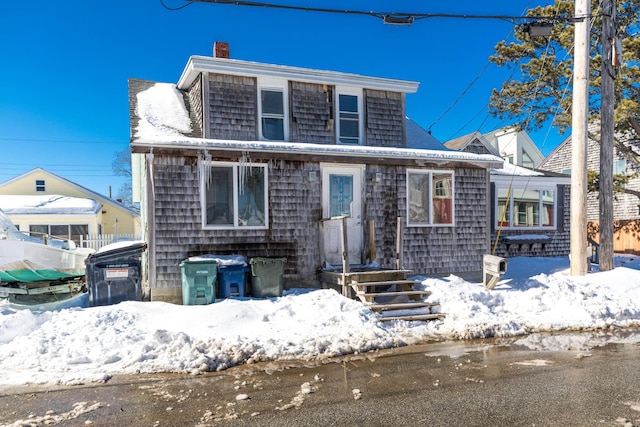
[
  {"x": 430, "y": 198},
  {"x": 526, "y": 207},
  {"x": 272, "y": 110},
  {"x": 349, "y": 116},
  {"x": 40, "y": 185},
  {"x": 235, "y": 196}
]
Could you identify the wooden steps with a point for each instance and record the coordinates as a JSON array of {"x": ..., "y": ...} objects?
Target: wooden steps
[
  {"x": 387, "y": 292},
  {"x": 398, "y": 295}
]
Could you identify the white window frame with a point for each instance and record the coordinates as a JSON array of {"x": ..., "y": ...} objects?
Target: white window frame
[
  {"x": 235, "y": 166},
  {"x": 524, "y": 187},
  {"x": 274, "y": 85},
  {"x": 430, "y": 173},
  {"x": 352, "y": 91},
  {"x": 41, "y": 185}
]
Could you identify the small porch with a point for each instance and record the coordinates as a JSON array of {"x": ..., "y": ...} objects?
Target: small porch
[{"x": 385, "y": 291}]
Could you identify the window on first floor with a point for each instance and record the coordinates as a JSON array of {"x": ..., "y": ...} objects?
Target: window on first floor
[
  {"x": 526, "y": 207},
  {"x": 59, "y": 231},
  {"x": 235, "y": 196},
  {"x": 430, "y": 198}
]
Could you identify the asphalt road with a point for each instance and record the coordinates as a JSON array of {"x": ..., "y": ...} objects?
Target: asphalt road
[{"x": 478, "y": 383}]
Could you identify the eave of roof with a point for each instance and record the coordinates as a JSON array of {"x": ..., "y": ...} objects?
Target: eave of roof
[
  {"x": 330, "y": 150},
  {"x": 199, "y": 64}
]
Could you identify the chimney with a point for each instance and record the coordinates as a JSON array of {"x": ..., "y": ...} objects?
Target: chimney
[{"x": 221, "y": 50}]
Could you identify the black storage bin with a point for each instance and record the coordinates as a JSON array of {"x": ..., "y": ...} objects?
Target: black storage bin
[{"x": 115, "y": 274}]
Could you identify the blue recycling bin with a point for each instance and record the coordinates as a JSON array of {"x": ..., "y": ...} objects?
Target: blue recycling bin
[
  {"x": 199, "y": 281},
  {"x": 232, "y": 280}
]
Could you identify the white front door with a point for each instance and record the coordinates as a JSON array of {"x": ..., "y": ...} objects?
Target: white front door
[{"x": 342, "y": 196}]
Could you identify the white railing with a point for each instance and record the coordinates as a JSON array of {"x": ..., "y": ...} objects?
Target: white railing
[{"x": 96, "y": 241}]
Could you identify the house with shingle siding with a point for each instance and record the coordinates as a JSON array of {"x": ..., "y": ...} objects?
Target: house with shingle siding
[
  {"x": 260, "y": 160},
  {"x": 626, "y": 205},
  {"x": 530, "y": 209}
]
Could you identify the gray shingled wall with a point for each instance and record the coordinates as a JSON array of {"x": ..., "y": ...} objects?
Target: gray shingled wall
[
  {"x": 311, "y": 113},
  {"x": 232, "y": 107},
  {"x": 384, "y": 118},
  {"x": 294, "y": 211},
  {"x": 429, "y": 250}
]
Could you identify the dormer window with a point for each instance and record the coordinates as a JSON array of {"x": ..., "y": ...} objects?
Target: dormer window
[
  {"x": 273, "y": 107},
  {"x": 40, "y": 185},
  {"x": 349, "y": 116}
]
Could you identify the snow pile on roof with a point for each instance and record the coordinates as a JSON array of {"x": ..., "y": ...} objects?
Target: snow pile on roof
[
  {"x": 511, "y": 169},
  {"x": 76, "y": 345},
  {"x": 52, "y": 204},
  {"x": 162, "y": 112}
]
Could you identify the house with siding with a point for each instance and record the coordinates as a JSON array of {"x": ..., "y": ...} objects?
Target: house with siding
[
  {"x": 42, "y": 202},
  {"x": 530, "y": 213},
  {"x": 261, "y": 160},
  {"x": 626, "y": 205},
  {"x": 513, "y": 145}
]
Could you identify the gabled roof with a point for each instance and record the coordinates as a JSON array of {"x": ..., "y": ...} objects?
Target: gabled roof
[
  {"x": 475, "y": 138},
  {"x": 94, "y": 195}
]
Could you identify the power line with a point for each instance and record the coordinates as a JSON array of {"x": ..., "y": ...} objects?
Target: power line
[{"x": 397, "y": 18}]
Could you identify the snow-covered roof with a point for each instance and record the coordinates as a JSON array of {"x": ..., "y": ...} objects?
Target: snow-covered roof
[
  {"x": 105, "y": 200},
  {"x": 163, "y": 119},
  {"x": 511, "y": 172},
  {"x": 48, "y": 204}
]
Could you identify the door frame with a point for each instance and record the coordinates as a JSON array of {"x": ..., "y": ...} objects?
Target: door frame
[{"x": 331, "y": 228}]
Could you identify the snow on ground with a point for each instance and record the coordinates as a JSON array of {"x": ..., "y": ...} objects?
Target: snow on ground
[{"x": 76, "y": 345}]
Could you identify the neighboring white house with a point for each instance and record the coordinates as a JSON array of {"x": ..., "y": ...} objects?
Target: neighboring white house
[{"x": 514, "y": 146}]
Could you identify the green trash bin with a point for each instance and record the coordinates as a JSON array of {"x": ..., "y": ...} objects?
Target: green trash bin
[
  {"x": 198, "y": 281},
  {"x": 266, "y": 276}
]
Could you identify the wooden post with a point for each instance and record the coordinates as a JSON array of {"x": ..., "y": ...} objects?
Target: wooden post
[
  {"x": 399, "y": 261},
  {"x": 345, "y": 245},
  {"x": 606, "y": 136},
  {"x": 579, "y": 138},
  {"x": 372, "y": 241}
]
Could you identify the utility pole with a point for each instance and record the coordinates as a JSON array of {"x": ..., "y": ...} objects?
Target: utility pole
[
  {"x": 580, "y": 113},
  {"x": 607, "y": 129}
]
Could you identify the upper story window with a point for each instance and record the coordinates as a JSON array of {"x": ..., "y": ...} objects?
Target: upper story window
[
  {"x": 349, "y": 116},
  {"x": 529, "y": 207},
  {"x": 430, "y": 198},
  {"x": 527, "y": 161},
  {"x": 40, "y": 185},
  {"x": 234, "y": 195},
  {"x": 273, "y": 110}
]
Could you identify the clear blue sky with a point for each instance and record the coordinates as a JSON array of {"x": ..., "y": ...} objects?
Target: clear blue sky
[{"x": 65, "y": 65}]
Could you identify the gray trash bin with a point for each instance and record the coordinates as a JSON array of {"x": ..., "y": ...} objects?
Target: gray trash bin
[{"x": 266, "y": 276}]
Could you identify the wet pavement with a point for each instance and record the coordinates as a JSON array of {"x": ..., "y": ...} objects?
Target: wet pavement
[{"x": 513, "y": 382}]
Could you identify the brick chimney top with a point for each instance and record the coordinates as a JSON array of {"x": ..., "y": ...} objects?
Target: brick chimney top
[{"x": 221, "y": 50}]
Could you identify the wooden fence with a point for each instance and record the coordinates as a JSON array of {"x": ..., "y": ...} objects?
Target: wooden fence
[
  {"x": 96, "y": 241},
  {"x": 626, "y": 235}
]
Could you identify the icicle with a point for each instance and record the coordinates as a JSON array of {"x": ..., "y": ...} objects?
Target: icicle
[
  {"x": 204, "y": 167},
  {"x": 244, "y": 167}
]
